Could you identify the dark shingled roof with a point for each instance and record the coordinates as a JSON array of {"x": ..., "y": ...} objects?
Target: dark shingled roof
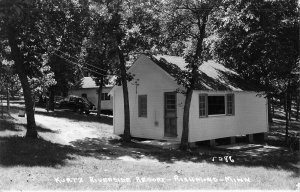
[{"x": 212, "y": 75}]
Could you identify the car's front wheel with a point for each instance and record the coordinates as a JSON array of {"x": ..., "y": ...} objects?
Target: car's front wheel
[{"x": 81, "y": 110}]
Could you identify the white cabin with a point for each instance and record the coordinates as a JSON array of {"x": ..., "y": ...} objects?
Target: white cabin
[
  {"x": 91, "y": 90},
  {"x": 218, "y": 109}
]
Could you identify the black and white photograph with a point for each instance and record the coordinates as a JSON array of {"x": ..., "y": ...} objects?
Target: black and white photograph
[{"x": 163, "y": 95}]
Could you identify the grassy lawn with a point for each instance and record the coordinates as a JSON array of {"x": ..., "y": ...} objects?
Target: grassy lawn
[{"x": 78, "y": 152}]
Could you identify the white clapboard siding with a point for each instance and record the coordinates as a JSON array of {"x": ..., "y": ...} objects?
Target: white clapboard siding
[
  {"x": 153, "y": 82},
  {"x": 250, "y": 117}
]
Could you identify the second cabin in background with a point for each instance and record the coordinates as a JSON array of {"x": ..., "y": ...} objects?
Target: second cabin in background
[{"x": 89, "y": 89}]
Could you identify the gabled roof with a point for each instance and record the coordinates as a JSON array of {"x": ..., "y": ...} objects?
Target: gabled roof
[
  {"x": 212, "y": 75},
  {"x": 89, "y": 82}
]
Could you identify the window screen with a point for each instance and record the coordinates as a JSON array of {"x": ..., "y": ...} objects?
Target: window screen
[
  {"x": 142, "y": 105},
  {"x": 216, "y": 105},
  {"x": 202, "y": 105},
  {"x": 230, "y": 104}
]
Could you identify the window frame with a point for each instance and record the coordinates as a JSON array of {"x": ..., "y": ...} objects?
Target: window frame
[
  {"x": 205, "y": 108},
  {"x": 232, "y": 104},
  {"x": 226, "y": 105},
  {"x": 217, "y": 95},
  {"x": 142, "y": 112},
  {"x": 105, "y": 97}
]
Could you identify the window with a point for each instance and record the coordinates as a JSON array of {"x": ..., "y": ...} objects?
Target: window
[
  {"x": 216, "y": 105},
  {"x": 142, "y": 105},
  {"x": 105, "y": 96},
  {"x": 171, "y": 101},
  {"x": 202, "y": 105},
  {"x": 230, "y": 104},
  {"x": 72, "y": 99}
]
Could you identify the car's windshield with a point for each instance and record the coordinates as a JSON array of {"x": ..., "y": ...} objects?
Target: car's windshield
[
  {"x": 80, "y": 100},
  {"x": 85, "y": 99}
]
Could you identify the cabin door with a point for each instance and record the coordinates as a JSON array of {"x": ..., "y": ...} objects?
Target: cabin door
[{"x": 170, "y": 114}]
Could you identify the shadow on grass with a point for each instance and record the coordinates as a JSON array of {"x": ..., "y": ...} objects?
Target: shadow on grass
[
  {"x": 114, "y": 149},
  {"x": 280, "y": 125},
  {"x": 16, "y": 151},
  {"x": 77, "y": 116},
  {"x": 39, "y": 129},
  {"x": 7, "y": 125},
  {"x": 21, "y": 151},
  {"x": 69, "y": 114}
]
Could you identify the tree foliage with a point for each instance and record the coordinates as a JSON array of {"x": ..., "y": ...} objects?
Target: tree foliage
[
  {"x": 132, "y": 28},
  {"x": 185, "y": 33},
  {"x": 260, "y": 41},
  {"x": 47, "y": 40},
  {"x": 97, "y": 49},
  {"x": 69, "y": 21},
  {"x": 27, "y": 35}
]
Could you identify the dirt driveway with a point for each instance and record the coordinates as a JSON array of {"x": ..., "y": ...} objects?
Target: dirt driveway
[{"x": 69, "y": 130}]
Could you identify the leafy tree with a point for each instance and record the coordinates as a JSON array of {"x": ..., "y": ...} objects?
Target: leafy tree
[
  {"x": 14, "y": 85},
  {"x": 99, "y": 71},
  {"x": 5, "y": 82},
  {"x": 185, "y": 33},
  {"x": 70, "y": 23},
  {"x": 27, "y": 34},
  {"x": 40, "y": 84},
  {"x": 9, "y": 81},
  {"x": 297, "y": 102},
  {"x": 260, "y": 41},
  {"x": 21, "y": 30},
  {"x": 97, "y": 47},
  {"x": 133, "y": 28}
]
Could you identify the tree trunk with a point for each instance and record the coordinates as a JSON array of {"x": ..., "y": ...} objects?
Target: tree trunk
[
  {"x": 47, "y": 104},
  {"x": 34, "y": 103},
  {"x": 286, "y": 118},
  {"x": 51, "y": 99},
  {"x": 184, "y": 144},
  {"x": 1, "y": 106},
  {"x": 270, "y": 118},
  {"x": 12, "y": 92},
  {"x": 273, "y": 107},
  {"x": 290, "y": 105},
  {"x": 99, "y": 97},
  {"x": 298, "y": 105},
  {"x": 127, "y": 135},
  {"x": 8, "y": 100},
  {"x": 20, "y": 67}
]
